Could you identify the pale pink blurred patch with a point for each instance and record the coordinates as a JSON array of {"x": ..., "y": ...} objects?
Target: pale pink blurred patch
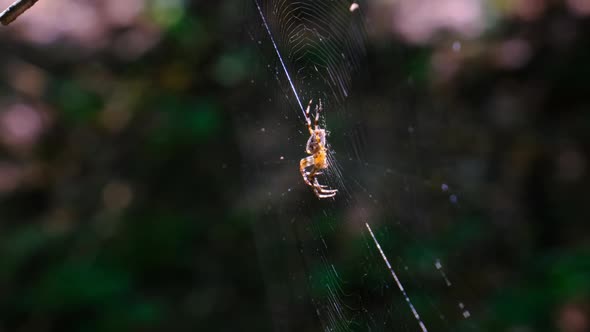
[
  {"x": 25, "y": 77},
  {"x": 47, "y": 21},
  {"x": 528, "y": 9},
  {"x": 418, "y": 21},
  {"x": 117, "y": 195},
  {"x": 20, "y": 126},
  {"x": 135, "y": 42},
  {"x": 10, "y": 176},
  {"x": 123, "y": 12},
  {"x": 571, "y": 164},
  {"x": 512, "y": 53},
  {"x": 86, "y": 24},
  {"x": 573, "y": 317},
  {"x": 580, "y": 7},
  {"x": 445, "y": 64}
]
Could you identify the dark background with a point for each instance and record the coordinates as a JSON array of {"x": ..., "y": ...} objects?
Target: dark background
[{"x": 149, "y": 181}]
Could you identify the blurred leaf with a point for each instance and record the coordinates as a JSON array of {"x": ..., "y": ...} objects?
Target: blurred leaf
[
  {"x": 20, "y": 245},
  {"x": 153, "y": 242},
  {"x": 231, "y": 68},
  {"x": 166, "y": 12},
  {"x": 418, "y": 68},
  {"x": 568, "y": 274},
  {"x": 77, "y": 103},
  {"x": 187, "y": 120},
  {"x": 126, "y": 316},
  {"x": 78, "y": 283},
  {"x": 191, "y": 33}
]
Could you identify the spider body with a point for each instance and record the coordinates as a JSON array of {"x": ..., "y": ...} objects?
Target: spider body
[{"x": 317, "y": 160}]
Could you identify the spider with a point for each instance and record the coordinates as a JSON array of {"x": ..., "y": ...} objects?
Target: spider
[{"x": 317, "y": 161}]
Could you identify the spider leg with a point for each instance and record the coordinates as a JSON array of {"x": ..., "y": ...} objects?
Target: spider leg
[
  {"x": 307, "y": 118},
  {"x": 316, "y": 184},
  {"x": 324, "y": 193},
  {"x": 307, "y": 176},
  {"x": 320, "y": 190},
  {"x": 312, "y": 175},
  {"x": 318, "y": 109}
]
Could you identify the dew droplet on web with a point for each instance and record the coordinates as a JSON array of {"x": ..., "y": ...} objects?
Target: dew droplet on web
[
  {"x": 457, "y": 46},
  {"x": 453, "y": 199},
  {"x": 444, "y": 187},
  {"x": 282, "y": 158},
  {"x": 354, "y": 6},
  {"x": 438, "y": 265}
]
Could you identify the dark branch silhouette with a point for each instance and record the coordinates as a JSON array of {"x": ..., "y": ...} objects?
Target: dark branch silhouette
[{"x": 15, "y": 10}]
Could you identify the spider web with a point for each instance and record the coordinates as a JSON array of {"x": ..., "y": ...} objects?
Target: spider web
[
  {"x": 356, "y": 262},
  {"x": 321, "y": 40}
]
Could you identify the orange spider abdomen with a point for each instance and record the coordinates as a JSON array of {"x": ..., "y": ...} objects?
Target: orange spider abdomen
[{"x": 320, "y": 160}]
